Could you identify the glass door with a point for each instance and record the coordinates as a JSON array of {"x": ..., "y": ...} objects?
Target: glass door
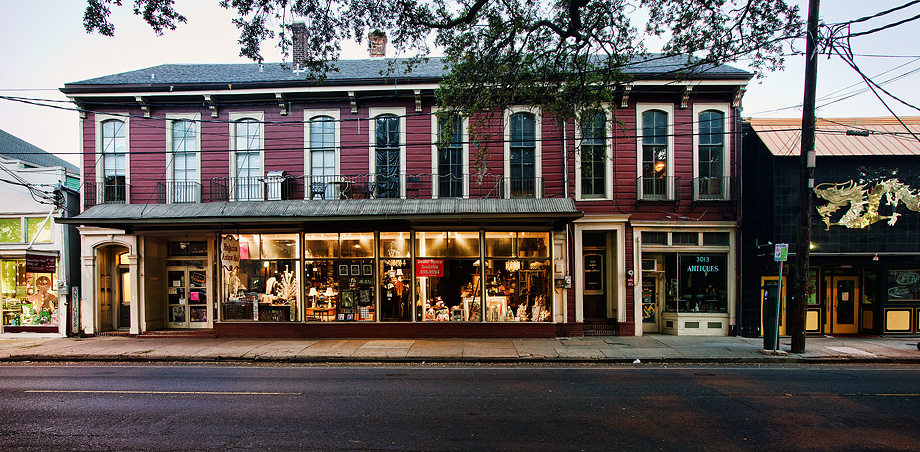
[
  {"x": 843, "y": 305},
  {"x": 187, "y": 298},
  {"x": 650, "y": 305}
]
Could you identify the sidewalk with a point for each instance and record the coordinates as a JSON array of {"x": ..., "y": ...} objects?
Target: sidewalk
[{"x": 655, "y": 348}]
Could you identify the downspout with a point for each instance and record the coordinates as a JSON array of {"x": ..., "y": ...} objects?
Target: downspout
[
  {"x": 738, "y": 219},
  {"x": 569, "y": 246}
]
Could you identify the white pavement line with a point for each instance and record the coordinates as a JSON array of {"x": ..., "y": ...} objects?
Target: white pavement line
[
  {"x": 851, "y": 351},
  {"x": 158, "y": 392}
]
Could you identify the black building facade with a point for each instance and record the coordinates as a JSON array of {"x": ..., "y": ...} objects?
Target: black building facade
[{"x": 865, "y": 242}]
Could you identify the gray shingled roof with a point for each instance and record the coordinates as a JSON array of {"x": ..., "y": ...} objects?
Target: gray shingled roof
[
  {"x": 348, "y": 70},
  {"x": 519, "y": 209},
  {"x": 14, "y": 147}
]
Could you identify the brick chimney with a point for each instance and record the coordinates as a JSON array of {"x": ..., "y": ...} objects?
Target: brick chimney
[
  {"x": 298, "y": 44},
  {"x": 377, "y": 44}
]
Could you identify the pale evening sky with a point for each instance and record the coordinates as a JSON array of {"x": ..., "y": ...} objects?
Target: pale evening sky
[{"x": 45, "y": 46}]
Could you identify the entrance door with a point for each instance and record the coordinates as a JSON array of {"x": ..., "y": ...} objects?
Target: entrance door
[
  {"x": 187, "y": 298},
  {"x": 651, "y": 312},
  {"x": 124, "y": 297},
  {"x": 842, "y": 306}
]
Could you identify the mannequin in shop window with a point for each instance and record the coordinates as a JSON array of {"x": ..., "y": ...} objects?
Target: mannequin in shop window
[{"x": 394, "y": 297}]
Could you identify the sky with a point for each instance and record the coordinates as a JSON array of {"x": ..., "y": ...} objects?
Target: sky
[{"x": 45, "y": 46}]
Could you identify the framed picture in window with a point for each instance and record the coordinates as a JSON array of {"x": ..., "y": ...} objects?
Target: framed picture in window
[
  {"x": 348, "y": 299},
  {"x": 355, "y": 270},
  {"x": 343, "y": 270},
  {"x": 368, "y": 269}
]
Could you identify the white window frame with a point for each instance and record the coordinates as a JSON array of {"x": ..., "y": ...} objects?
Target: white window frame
[
  {"x": 538, "y": 146},
  {"x": 726, "y": 143},
  {"x": 309, "y": 116},
  {"x": 373, "y": 113},
  {"x": 99, "y": 167},
  {"x": 258, "y": 116},
  {"x": 608, "y": 156},
  {"x": 465, "y": 137},
  {"x": 172, "y": 118},
  {"x": 669, "y": 110}
]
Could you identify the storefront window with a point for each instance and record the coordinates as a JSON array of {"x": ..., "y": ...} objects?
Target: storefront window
[
  {"x": 904, "y": 285},
  {"x": 28, "y": 298},
  {"x": 703, "y": 283},
  {"x": 517, "y": 285},
  {"x": 448, "y": 285},
  {"x": 395, "y": 276},
  {"x": 264, "y": 286}
]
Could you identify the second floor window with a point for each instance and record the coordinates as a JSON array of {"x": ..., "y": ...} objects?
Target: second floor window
[
  {"x": 711, "y": 155},
  {"x": 593, "y": 156},
  {"x": 654, "y": 154},
  {"x": 248, "y": 156},
  {"x": 523, "y": 155},
  {"x": 185, "y": 161},
  {"x": 114, "y": 171},
  {"x": 450, "y": 158},
  {"x": 322, "y": 154},
  {"x": 387, "y": 164}
]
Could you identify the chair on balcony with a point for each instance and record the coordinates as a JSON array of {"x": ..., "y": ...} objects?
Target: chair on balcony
[{"x": 318, "y": 189}]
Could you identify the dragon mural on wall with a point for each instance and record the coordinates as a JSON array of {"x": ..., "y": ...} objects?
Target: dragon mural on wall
[{"x": 864, "y": 203}]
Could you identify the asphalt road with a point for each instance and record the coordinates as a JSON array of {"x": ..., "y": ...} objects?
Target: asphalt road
[{"x": 459, "y": 408}]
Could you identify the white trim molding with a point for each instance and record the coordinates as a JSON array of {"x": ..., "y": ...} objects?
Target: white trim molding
[
  {"x": 373, "y": 113},
  {"x": 538, "y": 146},
  {"x": 725, "y": 109},
  {"x": 608, "y": 156},
  {"x": 465, "y": 137}
]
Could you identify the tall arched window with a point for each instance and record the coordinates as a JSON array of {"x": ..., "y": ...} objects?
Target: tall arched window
[
  {"x": 450, "y": 158},
  {"x": 114, "y": 171},
  {"x": 185, "y": 161},
  {"x": 711, "y": 155},
  {"x": 523, "y": 155},
  {"x": 655, "y": 154},
  {"x": 387, "y": 156},
  {"x": 594, "y": 155},
  {"x": 322, "y": 154},
  {"x": 248, "y": 156}
]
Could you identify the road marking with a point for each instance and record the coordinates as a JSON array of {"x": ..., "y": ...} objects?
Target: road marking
[{"x": 61, "y": 391}]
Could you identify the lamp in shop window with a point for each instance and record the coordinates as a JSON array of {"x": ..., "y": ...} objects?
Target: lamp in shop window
[
  {"x": 329, "y": 293},
  {"x": 313, "y": 294},
  {"x": 513, "y": 265},
  {"x": 399, "y": 272}
]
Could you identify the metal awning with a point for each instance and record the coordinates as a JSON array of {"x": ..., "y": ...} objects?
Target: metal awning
[{"x": 517, "y": 211}]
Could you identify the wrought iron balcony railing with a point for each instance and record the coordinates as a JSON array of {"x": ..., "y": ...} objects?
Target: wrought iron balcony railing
[{"x": 663, "y": 188}]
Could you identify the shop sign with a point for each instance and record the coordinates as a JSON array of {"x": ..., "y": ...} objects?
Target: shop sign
[
  {"x": 230, "y": 252},
  {"x": 594, "y": 272},
  {"x": 41, "y": 264},
  {"x": 430, "y": 268}
]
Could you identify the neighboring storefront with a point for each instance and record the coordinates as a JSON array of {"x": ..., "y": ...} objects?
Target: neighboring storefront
[
  {"x": 29, "y": 275},
  {"x": 688, "y": 282},
  {"x": 865, "y": 234}
]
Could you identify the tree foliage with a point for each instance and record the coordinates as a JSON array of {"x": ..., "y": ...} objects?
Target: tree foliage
[{"x": 555, "y": 53}]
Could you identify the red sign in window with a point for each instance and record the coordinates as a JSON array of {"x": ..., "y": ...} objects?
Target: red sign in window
[{"x": 429, "y": 268}]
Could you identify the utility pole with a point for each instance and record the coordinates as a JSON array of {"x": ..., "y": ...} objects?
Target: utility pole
[{"x": 806, "y": 183}]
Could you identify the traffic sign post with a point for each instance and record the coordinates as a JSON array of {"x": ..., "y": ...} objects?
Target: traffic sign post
[{"x": 780, "y": 253}]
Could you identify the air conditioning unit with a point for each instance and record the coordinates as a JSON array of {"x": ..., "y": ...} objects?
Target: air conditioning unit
[{"x": 649, "y": 265}]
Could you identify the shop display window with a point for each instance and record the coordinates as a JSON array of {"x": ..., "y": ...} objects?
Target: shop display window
[
  {"x": 904, "y": 285},
  {"x": 702, "y": 283},
  {"x": 517, "y": 282},
  {"x": 395, "y": 276},
  {"x": 448, "y": 286},
  {"x": 264, "y": 286},
  {"x": 28, "y": 299},
  {"x": 339, "y": 277}
]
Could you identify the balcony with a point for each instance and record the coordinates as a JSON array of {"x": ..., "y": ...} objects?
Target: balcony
[
  {"x": 663, "y": 188},
  {"x": 109, "y": 192},
  {"x": 712, "y": 189},
  {"x": 282, "y": 186}
]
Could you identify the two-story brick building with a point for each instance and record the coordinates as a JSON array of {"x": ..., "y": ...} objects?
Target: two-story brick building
[{"x": 250, "y": 200}]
